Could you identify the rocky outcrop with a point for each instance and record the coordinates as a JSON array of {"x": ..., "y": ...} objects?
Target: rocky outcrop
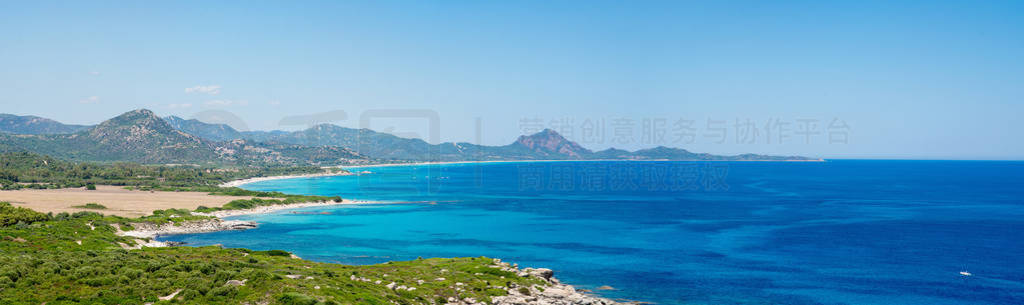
[
  {"x": 553, "y": 293},
  {"x": 151, "y": 230}
]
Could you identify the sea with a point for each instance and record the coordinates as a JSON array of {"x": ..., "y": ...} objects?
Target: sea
[{"x": 832, "y": 232}]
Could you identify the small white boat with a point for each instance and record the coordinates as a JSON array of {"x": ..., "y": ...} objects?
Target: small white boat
[{"x": 965, "y": 273}]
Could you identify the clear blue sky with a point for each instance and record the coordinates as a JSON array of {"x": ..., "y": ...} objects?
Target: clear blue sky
[{"x": 910, "y": 80}]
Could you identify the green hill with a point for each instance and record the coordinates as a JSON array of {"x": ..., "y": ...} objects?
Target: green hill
[
  {"x": 29, "y": 124},
  {"x": 140, "y": 136}
]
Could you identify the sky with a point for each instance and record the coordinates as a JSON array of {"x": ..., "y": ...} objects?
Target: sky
[{"x": 831, "y": 79}]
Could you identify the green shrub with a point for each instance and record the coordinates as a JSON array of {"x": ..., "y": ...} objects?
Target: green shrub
[
  {"x": 90, "y": 186},
  {"x": 91, "y": 205},
  {"x": 274, "y": 253},
  {"x": 11, "y": 215},
  {"x": 292, "y": 298},
  {"x": 224, "y": 291}
]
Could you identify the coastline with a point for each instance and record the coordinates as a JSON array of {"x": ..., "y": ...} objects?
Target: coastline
[
  {"x": 218, "y": 223},
  {"x": 280, "y": 207},
  {"x": 240, "y": 182},
  {"x": 553, "y": 292}
]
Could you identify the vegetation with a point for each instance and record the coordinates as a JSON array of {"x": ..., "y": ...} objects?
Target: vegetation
[
  {"x": 27, "y": 170},
  {"x": 78, "y": 259},
  {"x": 91, "y": 205},
  {"x": 11, "y": 215}
]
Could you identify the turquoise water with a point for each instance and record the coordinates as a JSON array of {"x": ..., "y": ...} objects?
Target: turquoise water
[{"x": 837, "y": 232}]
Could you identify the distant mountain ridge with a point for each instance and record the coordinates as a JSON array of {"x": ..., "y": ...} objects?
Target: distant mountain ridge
[
  {"x": 30, "y": 124},
  {"x": 544, "y": 145},
  {"x": 214, "y": 132},
  {"x": 141, "y": 136}
]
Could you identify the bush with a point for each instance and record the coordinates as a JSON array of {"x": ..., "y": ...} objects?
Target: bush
[
  {"x": 274, "y": 253},
  {"x": 91, "y": 205},
  {"x": 292, "y": 298},
  {"x": 90, "y": 186},
  {"x": 11, "y": 215},
  {"x": 224, "y": 291}
]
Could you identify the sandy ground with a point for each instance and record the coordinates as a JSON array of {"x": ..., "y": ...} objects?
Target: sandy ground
[
  {"x": 118, "y": 200},
  {"x": 240, "y": 182}
]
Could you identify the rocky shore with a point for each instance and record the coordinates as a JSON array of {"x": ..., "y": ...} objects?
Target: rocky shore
[
  {"x": 151, "y": 230},
  {"x": 555, "y": 293}
]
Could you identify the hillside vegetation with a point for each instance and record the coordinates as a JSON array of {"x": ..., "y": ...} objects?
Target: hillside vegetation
[
  {"x": 140, "y": 136},
  {"x": 22, "y": 169},
  {"x": 78, "y": 259}
]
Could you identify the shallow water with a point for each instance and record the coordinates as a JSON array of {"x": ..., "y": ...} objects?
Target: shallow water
[{"x": 837, "y": 232}]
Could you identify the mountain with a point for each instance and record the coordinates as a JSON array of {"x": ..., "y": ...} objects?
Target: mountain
[
  {"x": 213, "y": 132},
  {"x": 611, "y": 154},
  {"x": 141, "y": 136},
  {"x": 544, "y": 145},
  {"x": 29, "y": 124},
  {"x": 550, "y": 143}
]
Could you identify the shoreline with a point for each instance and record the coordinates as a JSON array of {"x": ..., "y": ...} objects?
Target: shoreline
[
  {"x": 267, "y": 209},
  {"x": 240, "y": 182},
  {"x": 219, "y": 223},
  {"x": 553, "y": 293}
]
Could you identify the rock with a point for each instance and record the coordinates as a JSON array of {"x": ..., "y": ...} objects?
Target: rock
[
  {"x": 553, "y": 293},
  {"x": 235, "y": 283},
  {"x": 390, "y": 286},
  {"x": 606, "y": 287},
  {"x": 170, "y": 296},
  {"x": 543, "y": 273},
  {"x": 151, "y": 230}
]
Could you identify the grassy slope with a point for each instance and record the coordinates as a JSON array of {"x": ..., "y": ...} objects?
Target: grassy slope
[{"x": 44, "y": 262}]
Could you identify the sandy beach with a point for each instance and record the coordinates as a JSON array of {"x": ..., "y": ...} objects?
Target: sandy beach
[
  {"x": 240, "y": 182},
  {"x": 279, "y": 207}
]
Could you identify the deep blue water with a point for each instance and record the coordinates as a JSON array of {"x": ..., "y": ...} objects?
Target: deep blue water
[{"x": 836, "y": 232}]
